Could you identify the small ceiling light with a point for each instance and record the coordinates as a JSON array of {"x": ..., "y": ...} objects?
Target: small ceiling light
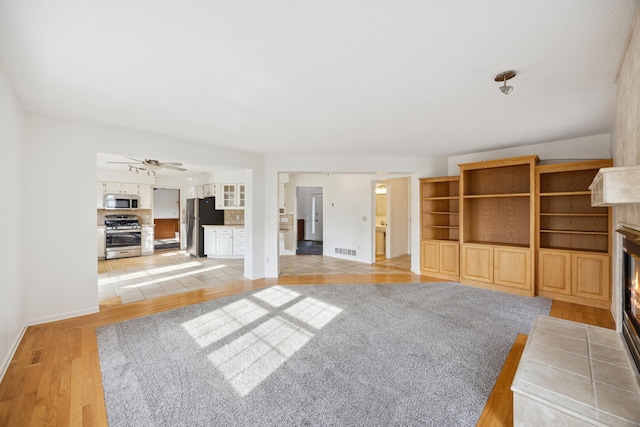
[
  {"x": 130, "y": 169},
  {"x": 503, "y": 77}
]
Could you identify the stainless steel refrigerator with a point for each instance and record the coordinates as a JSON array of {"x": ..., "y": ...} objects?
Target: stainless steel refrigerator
[{"x": 200, "y": 212}]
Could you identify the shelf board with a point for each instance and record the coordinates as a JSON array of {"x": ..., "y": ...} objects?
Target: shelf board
[
  {"x": 495, "y": 196},
  {"x": 510, "y": 245},
  {"x": 441, "y": 213},
  {"x": 574, "y": 214},
  {"x": 568, "y": 249},
  {"x": 592, "y": 233},
  {"x": 566, "y": 193},
  {"x": 441, "y": 198}
]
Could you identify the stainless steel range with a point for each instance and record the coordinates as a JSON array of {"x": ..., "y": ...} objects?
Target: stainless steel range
[{"x": 124, "y": 236}]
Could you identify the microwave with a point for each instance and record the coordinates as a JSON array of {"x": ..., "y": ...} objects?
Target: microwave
[{"x": 120, "y": 201}]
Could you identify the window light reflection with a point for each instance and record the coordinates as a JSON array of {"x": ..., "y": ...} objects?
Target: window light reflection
[
  {"x": 313, "y": 312},
  {"x": 175, "y": 276},
  {"x": 276, "y": 296},
  {"x": 214, "y": 326},
  {"x": 250, "y": 359}
]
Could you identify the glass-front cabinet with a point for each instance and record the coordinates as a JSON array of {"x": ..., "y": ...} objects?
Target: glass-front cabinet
[{"x": 231, "y": 196}]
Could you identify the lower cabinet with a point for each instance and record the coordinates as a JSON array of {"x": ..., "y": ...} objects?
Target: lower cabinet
[
  {"x": 441, "y": 259},
  {"x": 223, "y": 241},
  {"x": 102, "y": 242},
  {"x": 503, "y": 268},
  {"x": 147, "y": 240},
  {"x": 580, "y": 277}
]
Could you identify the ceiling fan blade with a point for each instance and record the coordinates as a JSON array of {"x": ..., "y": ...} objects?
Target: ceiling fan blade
[
  {"x": 121, "y": 163},
  {"x": 170, "y": 164}
]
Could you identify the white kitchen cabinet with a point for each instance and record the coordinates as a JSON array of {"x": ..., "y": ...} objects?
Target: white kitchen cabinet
[
  {"x": 102, "y": 242},
  {"x": 209, "y": 190},
  {"x": 230, "y": 196},
  {"x": 209, "y": 241},
  {"x": 224, "y": 241},
  {"x": 238, "y": 241},
  {"x": 100, "y": 195},
  {"x": 144, "y": 191},
  {"x": 147, "y": 239},
  {"x": 120, "y": 188},
  {"x": 206, "y": 190}
]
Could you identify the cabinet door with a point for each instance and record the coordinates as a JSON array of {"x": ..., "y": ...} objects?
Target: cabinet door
[
  {"x": 449, "y": 258},
  {"x": 209, "y": 241},
  {"x": 144, "y": 191},
  {"x": 200, "y": 192},
  {"x": 147, "y": 240},
  {"x": 512, "y": 267},
  {"x": 429, "y": 256},
  {"x": 112, "y": 188},
  {"x": 209, "y": 190},
  {"x": 129, "y": 188},
  {"x": 240, "y": 196},
  {"x": 554, "y": 271},
  {"x": 590, "y": 276},
  {"x": 102, "y": 242},
  {"x": 228, "y": 195},
  {"x": 224, "y": 242},
  {"x": 100, "y": 195},
  {"x": 477, "y": 262}
]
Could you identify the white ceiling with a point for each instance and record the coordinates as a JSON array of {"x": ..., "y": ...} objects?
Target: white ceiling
[{"x": 334, "y": 77}]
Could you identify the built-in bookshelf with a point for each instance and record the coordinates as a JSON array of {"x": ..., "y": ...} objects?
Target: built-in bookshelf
[
  {"x": 440, "y": 208},
  {"x": 573, "y": 238},
  {"x": 496, "y": 230}
]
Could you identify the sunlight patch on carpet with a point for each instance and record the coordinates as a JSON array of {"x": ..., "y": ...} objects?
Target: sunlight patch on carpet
[
  {"x": 251, "y": 358},
  {"x": 218, "y": 324}
]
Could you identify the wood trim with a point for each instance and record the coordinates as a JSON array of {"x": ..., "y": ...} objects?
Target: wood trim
[{"x": 165, "y": 228}]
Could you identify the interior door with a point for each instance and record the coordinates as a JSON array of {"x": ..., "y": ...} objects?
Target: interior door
[{"x": 317, "y": 216}]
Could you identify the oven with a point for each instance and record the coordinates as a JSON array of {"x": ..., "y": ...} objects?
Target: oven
[{"x": 123, "y": 236}]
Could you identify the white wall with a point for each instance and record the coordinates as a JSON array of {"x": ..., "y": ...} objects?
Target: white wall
[
  {"x": 12, "y": 290},
  {"x": 62, "y": 161},
  {"x": 585, "y": 148},
  {"x": 378, "y": 168},
  {"x": 166, "y": 203}
]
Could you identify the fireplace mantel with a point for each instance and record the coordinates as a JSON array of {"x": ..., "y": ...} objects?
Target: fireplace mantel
[{"x": 616, "y": 186}]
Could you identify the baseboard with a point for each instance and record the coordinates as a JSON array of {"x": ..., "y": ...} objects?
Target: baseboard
[
  {"x": 12, "y": 352},
  {"x": 63, "y": 316}
]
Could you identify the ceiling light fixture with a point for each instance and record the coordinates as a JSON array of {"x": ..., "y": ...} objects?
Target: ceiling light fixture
[{"x": 503, "y": 77}]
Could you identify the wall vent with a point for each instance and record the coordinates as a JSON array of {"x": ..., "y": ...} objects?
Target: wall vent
[{"x": 343, "y": 251}]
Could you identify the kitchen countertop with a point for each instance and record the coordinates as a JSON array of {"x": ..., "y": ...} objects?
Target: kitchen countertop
[{"x": 224, "y": 225}]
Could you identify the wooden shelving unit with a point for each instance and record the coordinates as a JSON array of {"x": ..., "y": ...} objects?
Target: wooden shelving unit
[
  {"x": 440, "y": 222},
  {"x": 497, "y": 227},
  {"x": 573, "y": 239}
]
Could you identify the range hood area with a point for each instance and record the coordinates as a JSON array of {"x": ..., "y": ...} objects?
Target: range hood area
[{"x": 616, "y": 186}]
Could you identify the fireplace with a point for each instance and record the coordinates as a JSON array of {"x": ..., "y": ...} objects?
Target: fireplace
[{"x": 631, "y": 291}]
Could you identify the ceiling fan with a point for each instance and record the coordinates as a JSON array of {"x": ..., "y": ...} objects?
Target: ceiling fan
[{"x": 151, "y": 165}]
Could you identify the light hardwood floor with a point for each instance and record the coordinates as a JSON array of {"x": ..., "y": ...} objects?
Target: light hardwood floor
[{"x": 54, "y": 377}]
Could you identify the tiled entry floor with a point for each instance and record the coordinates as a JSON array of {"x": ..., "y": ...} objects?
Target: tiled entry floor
[{"x": 172, "y": 272}]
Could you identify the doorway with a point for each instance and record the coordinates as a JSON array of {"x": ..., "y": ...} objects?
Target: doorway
[
  {"x": 166, "y": 218},
  {"x": 392, "y": 226},
  {"x": 310, "y": 220}
]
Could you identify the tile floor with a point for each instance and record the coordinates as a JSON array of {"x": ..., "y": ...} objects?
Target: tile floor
[{"x": 172, "y": 272}]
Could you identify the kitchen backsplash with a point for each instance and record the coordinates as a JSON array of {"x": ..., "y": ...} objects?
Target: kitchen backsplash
[
  {"x": 144, "y": 215},
  {"x": 234, "y": 217}
]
